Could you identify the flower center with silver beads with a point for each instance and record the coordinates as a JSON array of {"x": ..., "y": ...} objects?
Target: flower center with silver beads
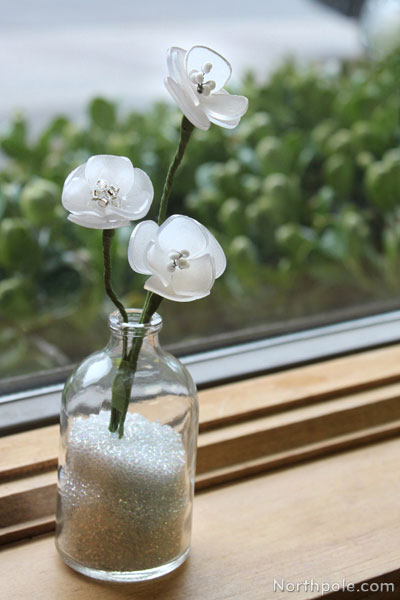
[
  {"x": 104, "y": 194},
  {"x": 178, "y": 260},
  {"x": 197, "y": 77}
]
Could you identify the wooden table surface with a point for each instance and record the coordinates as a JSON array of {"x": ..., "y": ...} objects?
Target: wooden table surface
[{"x": 333, "y": 518}]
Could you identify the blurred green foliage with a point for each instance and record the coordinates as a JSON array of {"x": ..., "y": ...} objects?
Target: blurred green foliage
[{"x": 303, "y": 196}]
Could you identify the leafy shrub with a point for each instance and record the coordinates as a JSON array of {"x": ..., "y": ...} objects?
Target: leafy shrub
[{"x": 303, "y": 196}]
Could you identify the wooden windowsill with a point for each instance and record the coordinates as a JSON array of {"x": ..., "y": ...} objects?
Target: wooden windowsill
[
  {"x": 323, "y": 515},
  {"x": 333, "y": 519}
]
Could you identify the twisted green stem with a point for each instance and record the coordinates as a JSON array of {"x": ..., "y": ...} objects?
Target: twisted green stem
[
  {"x": 186, "y": 132},
  {"x": 108, "y": 235},
  {"x": 123, "y": 380}
]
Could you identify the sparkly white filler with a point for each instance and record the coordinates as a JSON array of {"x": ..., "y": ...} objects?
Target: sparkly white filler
[{"x": 125, "y": 501}]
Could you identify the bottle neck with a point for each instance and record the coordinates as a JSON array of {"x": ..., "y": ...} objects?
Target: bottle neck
[{"x": 121, "y": 331}]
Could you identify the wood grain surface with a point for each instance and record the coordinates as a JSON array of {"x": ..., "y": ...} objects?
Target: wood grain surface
[
  {"x": 310, "y": 421},
  {"x": 334, "y": 518},
  {"x": 36, "y": 450}
]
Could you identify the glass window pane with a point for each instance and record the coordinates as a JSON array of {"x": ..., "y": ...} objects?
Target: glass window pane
[{"x": 302, "y": 195}]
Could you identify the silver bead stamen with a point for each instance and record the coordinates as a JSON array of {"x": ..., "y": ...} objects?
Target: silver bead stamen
[
  {"x": 105, "y": 193},
  {"x": 178, "y": 259},
  {"x": 197, "y": 77}
]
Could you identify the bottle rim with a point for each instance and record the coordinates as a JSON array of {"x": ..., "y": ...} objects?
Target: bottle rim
[{"x": 133, "y": 327}]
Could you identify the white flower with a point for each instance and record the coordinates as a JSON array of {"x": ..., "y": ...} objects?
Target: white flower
[
  {"x": 107, "y": 192},
  {"x": 182, "y": 257},
  {"x": 196, "y": 80}
]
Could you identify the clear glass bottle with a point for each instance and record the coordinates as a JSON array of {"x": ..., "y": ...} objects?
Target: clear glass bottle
[{"x": 124, "y": 506}]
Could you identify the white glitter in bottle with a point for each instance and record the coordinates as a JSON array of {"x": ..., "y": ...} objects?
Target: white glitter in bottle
[{"x": 125, "y": 501}]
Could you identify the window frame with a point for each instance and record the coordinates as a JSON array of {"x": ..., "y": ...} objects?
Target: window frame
[{"x": 39, "y": 406}]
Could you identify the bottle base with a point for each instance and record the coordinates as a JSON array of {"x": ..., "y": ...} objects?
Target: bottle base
[{"x": 125, "y": 576}]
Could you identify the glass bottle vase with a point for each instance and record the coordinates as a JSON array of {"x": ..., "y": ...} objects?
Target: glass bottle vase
[{"x": 124, "y": 504}]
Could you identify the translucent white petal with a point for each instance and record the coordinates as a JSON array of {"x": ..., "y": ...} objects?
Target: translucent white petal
[
  {"x": 196, "y": 280},
  {"x": 153, "y": 284},
  {"x": 137, "y": 203},
  {"x": 227, "y": 124},
  {"x": 157, "y": 261},
  {"x": 225, "y": 106},
  {"x": 176, "y": 64},
  {"x": 177, "y": 71},
  {"x": 76, "y": 195},
  {"x": 94, "y": 222},
  {"x": 216, "y": 252},
  {"x": 184, "y": 100},
  {"x": 142, "y": 237},
  {"x": 142, "y": 184},
  {"x": 221, "y": 69},
  {"x": 115, "y": 170},
  {"x": 78, "y": 172},
  {"x": 182, "y": 233}
]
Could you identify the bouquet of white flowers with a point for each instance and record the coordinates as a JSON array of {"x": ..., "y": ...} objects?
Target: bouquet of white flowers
[
  {"x": 181, "y": 256},
  {"x": 125, "y": 500}
]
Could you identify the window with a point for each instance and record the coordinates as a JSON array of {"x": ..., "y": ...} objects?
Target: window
[{"x": 302, "y": 195}]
